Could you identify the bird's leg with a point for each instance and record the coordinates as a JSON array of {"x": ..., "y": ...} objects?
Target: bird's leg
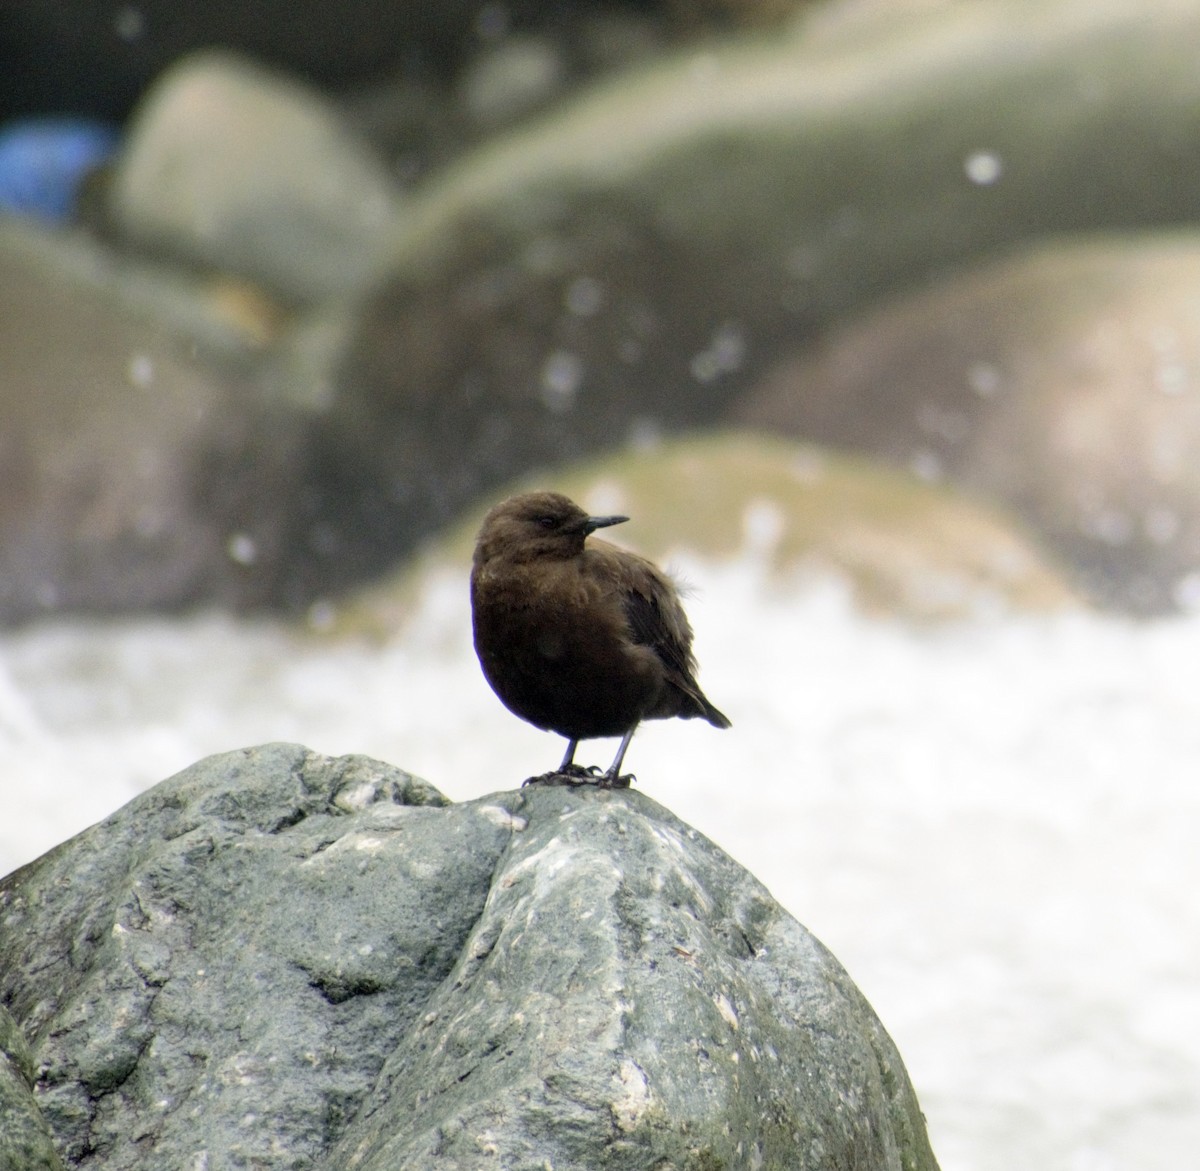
[
  {"x": 612, "y": 779},
  {"x": 569, "y": 768},
  {"x": 568, "y": 772}
]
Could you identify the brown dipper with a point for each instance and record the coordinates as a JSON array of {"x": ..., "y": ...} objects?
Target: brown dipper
[{"x": 582, "y": 640}]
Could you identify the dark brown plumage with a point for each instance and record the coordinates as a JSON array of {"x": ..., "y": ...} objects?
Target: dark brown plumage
[{"x": 584, "y": 640}]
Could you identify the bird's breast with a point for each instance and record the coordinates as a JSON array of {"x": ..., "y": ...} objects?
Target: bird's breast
[
  {"x": 550, "y": 644},
  {"x": 526, "y": 620},
  {"x": 556, "y": 648}
]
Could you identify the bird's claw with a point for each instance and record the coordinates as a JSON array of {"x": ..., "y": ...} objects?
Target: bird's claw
[
  {"x": 580, "y": 772},
  {"x": 577, "y": 774}
]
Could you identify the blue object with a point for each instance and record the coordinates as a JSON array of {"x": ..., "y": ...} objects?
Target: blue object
[{"x": 43, "y": 161}]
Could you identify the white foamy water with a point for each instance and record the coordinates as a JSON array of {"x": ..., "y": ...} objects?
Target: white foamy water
[{"x": 995, "y": 825}]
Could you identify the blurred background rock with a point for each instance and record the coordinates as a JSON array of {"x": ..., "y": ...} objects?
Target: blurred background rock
[{"x": 287, "y": 289}]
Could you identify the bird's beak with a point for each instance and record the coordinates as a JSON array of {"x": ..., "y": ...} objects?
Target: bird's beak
[{"x": 601, "y": 522}]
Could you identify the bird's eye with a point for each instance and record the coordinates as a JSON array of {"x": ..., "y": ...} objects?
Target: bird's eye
[{"x": 547, "y": 522}]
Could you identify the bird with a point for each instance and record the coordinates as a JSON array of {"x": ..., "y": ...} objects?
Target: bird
[{"x": 579, "y": 637}]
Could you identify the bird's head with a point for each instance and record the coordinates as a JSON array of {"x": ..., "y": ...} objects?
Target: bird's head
[{"x": 537, "y": 525}]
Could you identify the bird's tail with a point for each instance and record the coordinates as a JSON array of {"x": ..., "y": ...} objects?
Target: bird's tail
[
  {"x": 694, "y": 703},
  {"x": 714, "y": 716}
]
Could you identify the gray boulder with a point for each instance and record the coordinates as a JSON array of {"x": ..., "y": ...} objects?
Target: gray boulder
[
  {"x": 281, "y": 959},
  {"x": 1060, "y": 382},
  {"x": 141, "y": 464},
  {"x": 25, "y": 1142},
  {"x": 233, "y": 167}
]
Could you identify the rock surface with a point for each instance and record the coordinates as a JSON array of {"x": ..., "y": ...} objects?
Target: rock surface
[
  {"x": 139, "y": 464},
  {"x": 1062, "y": 382},
  {"x": 277, "y": 958},
  {"x": 234, "y": 168},
  {"x": 25, "y": 1142},
  {"x": 845, "y": 160}
]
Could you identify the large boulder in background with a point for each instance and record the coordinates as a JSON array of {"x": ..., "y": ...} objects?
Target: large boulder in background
[
  {"x": 846, "y": 159},
  {"x": 139, "y": 467},
  {"x": 1063, "y": 383},
  {"x": 277, "y": 957},
  {"x": 234, "y": 168}
]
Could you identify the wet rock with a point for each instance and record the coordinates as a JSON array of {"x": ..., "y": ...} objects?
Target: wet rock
[
  {"x": 278, "y": 957},
  {"x": 139, "y": 466},
  {"x": 237, "y": 169},
  {"x": 1063, "y": 382},
  {"x": 25, "y": 1141},
  {"x": 845, "y": 159}
]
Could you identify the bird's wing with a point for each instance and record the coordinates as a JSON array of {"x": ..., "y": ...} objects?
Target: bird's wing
[{"x": 656, "y": 619}]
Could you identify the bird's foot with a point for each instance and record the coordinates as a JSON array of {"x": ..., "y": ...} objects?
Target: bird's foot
[
  {"x": 579, "y": 772},
  {"x": 572, "y": 774},
  {"x": 576, "y": 774}
]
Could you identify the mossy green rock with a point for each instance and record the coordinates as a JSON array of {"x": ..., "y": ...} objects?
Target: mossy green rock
[
  {"x": 278, "y": 959},
  {"x": 25, "y": 1143}
]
